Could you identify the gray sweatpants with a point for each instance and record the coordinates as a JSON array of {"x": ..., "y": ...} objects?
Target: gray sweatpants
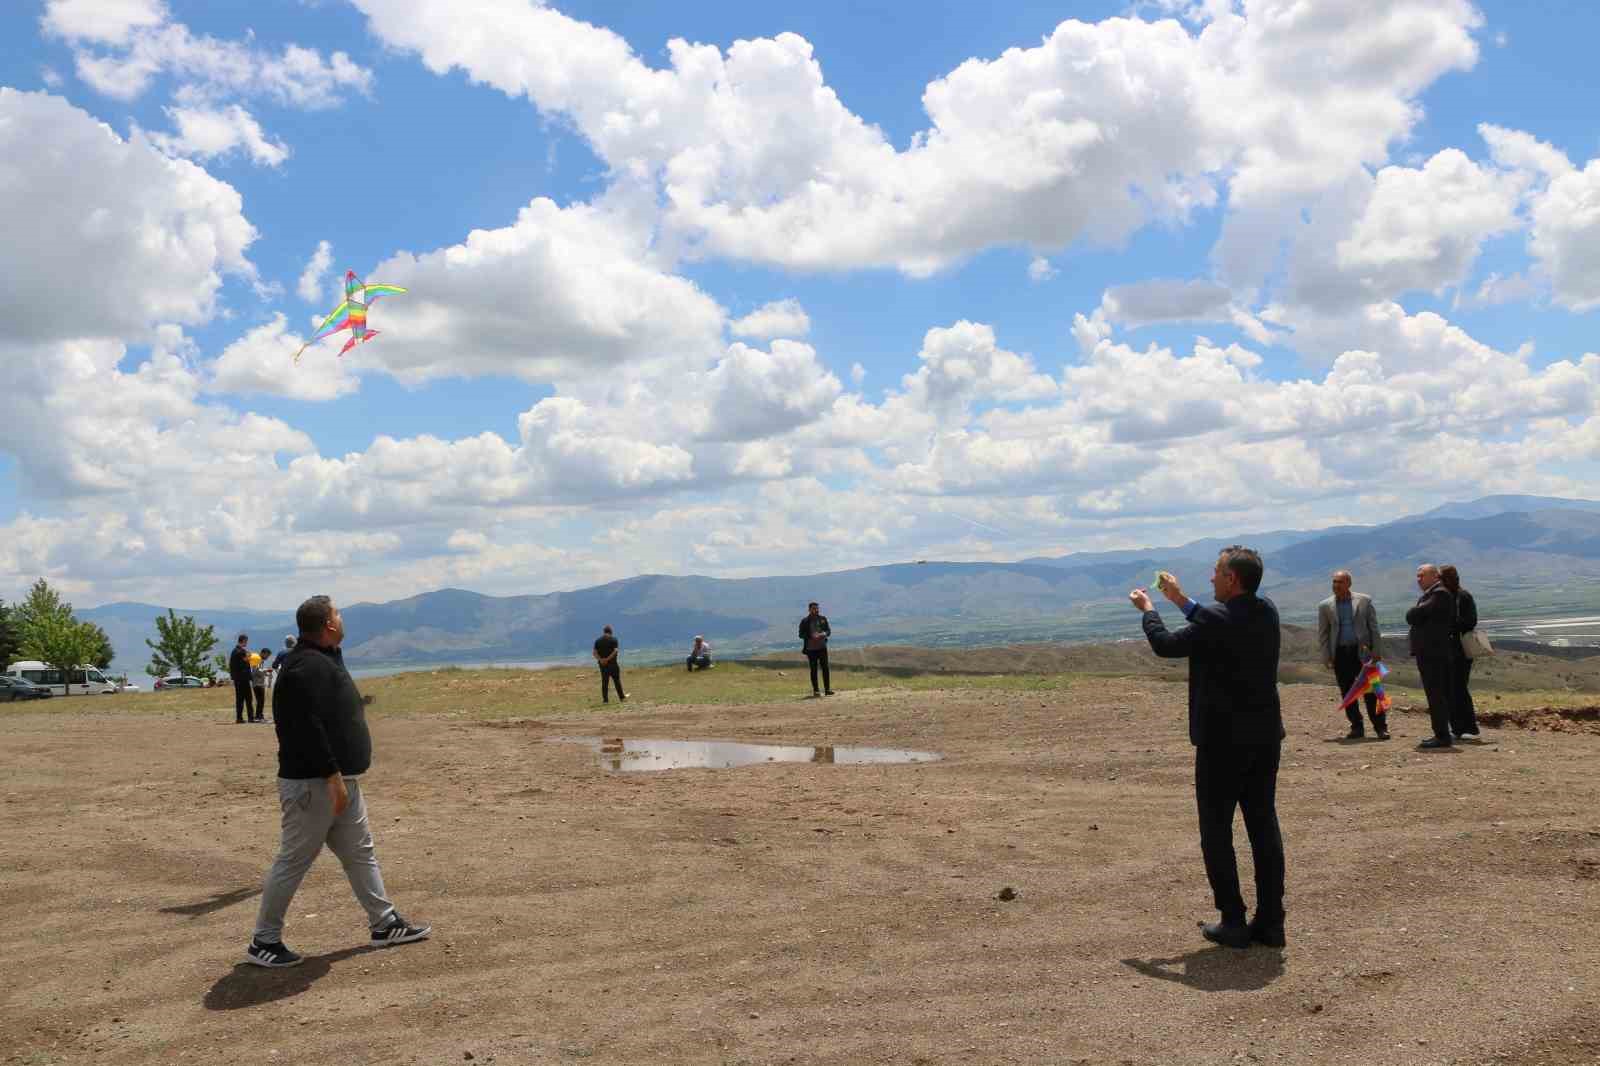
[{"x": 308, "y": 823}]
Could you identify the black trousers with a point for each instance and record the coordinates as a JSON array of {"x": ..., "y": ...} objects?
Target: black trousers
[
  {"x": 697, "y": 661},
  {"x": 609, "y": 675},
  {"x": 241, "y": 701},
  {"x": 1346, "y": 668},
  {"x": 816, "y": 657},
  {"x": 1463, "y": 715},
  {"x": 1245, "y": 777},
  {"x": 1438, "y": 682},
  {"x": 261, "y": 701}
]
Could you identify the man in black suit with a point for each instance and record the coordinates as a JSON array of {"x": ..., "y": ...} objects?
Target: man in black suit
[
  {"x": 1432, "y": 623},
  {"x": 239, "y": 672},
  {"x": 1236, "y": 727}
]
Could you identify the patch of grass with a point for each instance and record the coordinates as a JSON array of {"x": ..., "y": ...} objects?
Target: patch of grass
[{"x": 1519, "y": 700}]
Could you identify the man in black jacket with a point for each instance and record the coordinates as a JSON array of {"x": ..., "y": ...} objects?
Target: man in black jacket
[
  {"x": 1433, "y": 644},
  {"x": 814, "y": 634},
  {"x": 1236, "y": 727},
  {"x": 323, "y": 749},
  {"x": 239, "y": 671}
]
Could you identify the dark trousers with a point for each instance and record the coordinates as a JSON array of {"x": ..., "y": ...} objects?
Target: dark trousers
[
  {"x": 1463, "y": 715},
  {"x": 241, "y": 701},
  {"x": 261, "y": 702},
  {"x": 700, "y": 661},
  {"x": 1245, "y": 777},
  {"x": 1438, "y": 681},
  {"x": 610, "y": 675},
  {"x": 1346, "y": 668},
  {"x": 816, "y": 657}
]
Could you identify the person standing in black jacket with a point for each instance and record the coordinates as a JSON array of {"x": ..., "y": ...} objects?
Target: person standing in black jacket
[
  {"x": 239, "y": 672},
  {"x": 1432, "y": 635},
  {"x": 814, "y": 634},
  {"x": 606, "y": 650},
  {"x": 323, "y": 749},
  {"x": 1463, "y": 714},
  {"x": 1236, "y": 727}
]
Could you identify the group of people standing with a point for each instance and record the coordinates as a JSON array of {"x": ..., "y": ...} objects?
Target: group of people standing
[
  {"x": 814, "y": 633},
  {"x": 1348, "y": 638},
  {"x": 251, "y": 673}
]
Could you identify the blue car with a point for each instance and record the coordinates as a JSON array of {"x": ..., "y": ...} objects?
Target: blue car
[{"x": 15, "y": 688}]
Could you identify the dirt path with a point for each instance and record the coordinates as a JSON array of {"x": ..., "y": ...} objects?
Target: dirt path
[{"x": 1443, "y": 908}]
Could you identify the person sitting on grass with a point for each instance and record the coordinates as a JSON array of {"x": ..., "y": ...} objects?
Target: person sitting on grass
[{"x": 699, "y": 655}]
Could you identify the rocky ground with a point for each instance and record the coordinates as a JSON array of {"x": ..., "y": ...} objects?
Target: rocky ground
[{"x": 1443, "y": 907}]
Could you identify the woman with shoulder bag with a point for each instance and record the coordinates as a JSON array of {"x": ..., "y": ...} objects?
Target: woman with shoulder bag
[{"x": 1464, "y": 717}]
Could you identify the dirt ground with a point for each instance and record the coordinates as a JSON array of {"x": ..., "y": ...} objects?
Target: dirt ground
[{"x": 1442, "y": 907}]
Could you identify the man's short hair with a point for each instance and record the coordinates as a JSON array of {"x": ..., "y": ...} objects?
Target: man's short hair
[
  {"x": 314, "y": 615},
  {"x": 810, "y": 605},
  {"x": 243, "y": 637},
  {"x": 1246, "y": 566},
  {"x": 605, "y": 629}
]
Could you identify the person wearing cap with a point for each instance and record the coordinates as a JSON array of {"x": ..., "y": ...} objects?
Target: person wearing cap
[{"x": 699, "y": 655}]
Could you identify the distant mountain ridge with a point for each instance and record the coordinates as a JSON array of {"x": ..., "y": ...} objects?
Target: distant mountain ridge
[{"x": 1523, "y": 559}]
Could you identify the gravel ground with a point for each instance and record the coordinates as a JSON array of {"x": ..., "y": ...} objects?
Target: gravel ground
[{"x": 1442, "y": 907}]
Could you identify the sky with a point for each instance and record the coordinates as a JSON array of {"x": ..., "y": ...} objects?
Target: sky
[{"x": 739, "y": 289}]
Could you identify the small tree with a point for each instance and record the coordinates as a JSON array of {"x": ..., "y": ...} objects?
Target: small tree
[
  {"x": 10, "y": 639},
  {"x": 59, "y": 642},
  {"x": 103, "y": 651},
  {"x": 220, "y": 661},
  {"x": 42, "y": 606},
  {"x": 184, "y": 647}
]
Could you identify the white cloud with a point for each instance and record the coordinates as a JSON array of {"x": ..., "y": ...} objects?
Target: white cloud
[
  {"x": 207, "y": 133},
  {"x": 1566, "y": 237},
  {"x": 1039, "y": 269},
  {"x": 101, "y": 21},
  {"x": 262, "y": 362},
  {"x": 310, "y": 284},
  {"x": 1148, "y": 302},
  {"x": 153, "y": 236},
  {"x": 781, "y": 318},
  {"x": 756, "y": 394},
  {"x": 561, "y": 294},
  {"x": 962, "y": 365},
  {"x": 120, "y": 46}
]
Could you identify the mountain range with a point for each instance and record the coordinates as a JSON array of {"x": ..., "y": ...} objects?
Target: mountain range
[{"x": 1523, "y": 556}]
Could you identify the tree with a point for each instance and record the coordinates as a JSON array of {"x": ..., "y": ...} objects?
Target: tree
[
  {"x": 10, "y": 639},
  {"x": 184, "y": 647},
  {"x": 42, "y": 605},
  {"x": 103, "y": 651},
  {"x": 59, "y": 641}
]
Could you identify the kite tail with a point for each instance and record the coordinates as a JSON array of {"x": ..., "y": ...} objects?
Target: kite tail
[{"x": 353, "y": 341}]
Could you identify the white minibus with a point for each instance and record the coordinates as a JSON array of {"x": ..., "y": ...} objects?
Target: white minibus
[{"x": 80, "y": 681}]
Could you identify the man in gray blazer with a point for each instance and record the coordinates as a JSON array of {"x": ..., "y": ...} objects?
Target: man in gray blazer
[{"x": 1347, "y": 633}]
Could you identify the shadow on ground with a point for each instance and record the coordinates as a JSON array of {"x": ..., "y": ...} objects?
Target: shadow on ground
[
  {"x": 251, "y": 986},
  {"x": 1216, "y": 969},
  {"x": 215, "y": 903}
]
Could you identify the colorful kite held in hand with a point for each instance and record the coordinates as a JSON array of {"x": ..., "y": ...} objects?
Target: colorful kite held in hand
[
  {"x": 352, "y": 314},
  {"x": 1370, "y": 680}
]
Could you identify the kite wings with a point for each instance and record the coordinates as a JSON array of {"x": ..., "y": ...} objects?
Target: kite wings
[{"x": 352, "y": 314}]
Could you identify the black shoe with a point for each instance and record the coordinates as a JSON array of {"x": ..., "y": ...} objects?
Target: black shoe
[
  {"x": 1383, "y": 733},
  {"x": 1229, "y": 936},
  {"x": 1435, "y": 742},
  {"x": 827, "y": 692},
  {"x": 273, "y": 956},
  {"x": 1268, "y": 935},
  {"x": 815, "y": 694},
  {"x": 398, "y": 932},
  {"x": 1355, "y": 733}
]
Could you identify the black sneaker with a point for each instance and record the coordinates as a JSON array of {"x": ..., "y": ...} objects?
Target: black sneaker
[
  {"x": 1355, "y": 733},
  {"x": 399, "y": 932},
  {"x": 273, "y": 956}
]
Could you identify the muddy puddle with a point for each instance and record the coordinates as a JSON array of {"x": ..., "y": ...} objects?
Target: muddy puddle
[{"x": 628, "y": 754}]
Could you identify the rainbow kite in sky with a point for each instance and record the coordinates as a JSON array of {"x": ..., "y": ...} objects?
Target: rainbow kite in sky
[
  {"x": 1370, "y": 680},
  {"x": 352, "y": 314}
]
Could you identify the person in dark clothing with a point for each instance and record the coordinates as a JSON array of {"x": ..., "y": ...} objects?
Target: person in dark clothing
[
  {"x": 606, "y": 650},
  {"x": 814, "y": 633},
  {"x": 1433, "y": 635},
  {"x": 1463, "y": 714},
  {"x": 699, "y": 655},
  {"x": 239, "y": 671},
  {"x": 1236, "y": 727},
  {"x": 323, "y": 749}
]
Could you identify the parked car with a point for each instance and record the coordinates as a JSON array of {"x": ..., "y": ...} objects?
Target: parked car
[
  {"x": 184, "y": 681},
  {"x": 79, "y": 681},
  {"x": 15, "y": 688}
]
